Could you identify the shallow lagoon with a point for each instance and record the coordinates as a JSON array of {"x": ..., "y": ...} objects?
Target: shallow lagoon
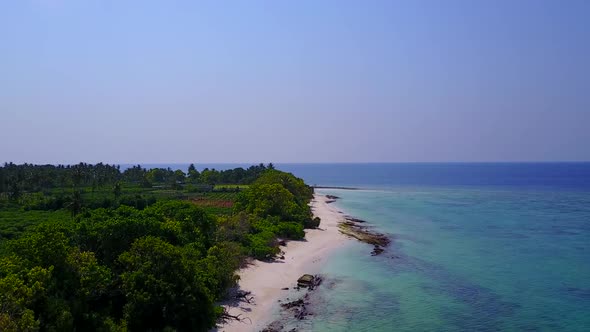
[{"x": 462, "y": 259}]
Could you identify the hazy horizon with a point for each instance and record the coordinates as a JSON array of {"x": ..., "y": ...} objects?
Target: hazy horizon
[
  {"x": 294, "y": 82},
  {"x": 206, "y": 164}
]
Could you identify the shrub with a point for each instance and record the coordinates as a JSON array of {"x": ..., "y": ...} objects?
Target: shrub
[
  {"x": 312, "y": 223},
  {"x": 263, "y": 245},
  {"x": 290, "y": 230}
]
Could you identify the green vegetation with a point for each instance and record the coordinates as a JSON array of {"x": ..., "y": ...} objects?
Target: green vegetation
[
  {"x": 230, "y": 187},
  {"x": 88, "y": 247}
]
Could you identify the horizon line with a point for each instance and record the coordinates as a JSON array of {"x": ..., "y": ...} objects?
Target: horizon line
[{"x": 314, "y": 163}]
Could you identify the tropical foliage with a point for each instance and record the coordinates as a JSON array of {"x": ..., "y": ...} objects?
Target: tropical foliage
[{"x": 88, "y": 247}]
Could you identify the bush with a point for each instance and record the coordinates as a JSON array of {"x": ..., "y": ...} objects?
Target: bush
[
  {"x": 263, "y": 245},
  {"x": 312, "y": 223},
  {"x": 199, "y": 188},
  {"x": 137, "y": 201},
  {"x": 290, "y": 230}
]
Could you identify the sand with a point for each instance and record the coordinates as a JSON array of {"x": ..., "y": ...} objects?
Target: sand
[{"x": 266, "y": 279}]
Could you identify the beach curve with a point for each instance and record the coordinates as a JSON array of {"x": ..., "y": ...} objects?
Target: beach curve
[{"x": 266, "y": 280}]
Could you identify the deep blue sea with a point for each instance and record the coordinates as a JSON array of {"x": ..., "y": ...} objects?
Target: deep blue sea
[{"x": 476, "y": 247}]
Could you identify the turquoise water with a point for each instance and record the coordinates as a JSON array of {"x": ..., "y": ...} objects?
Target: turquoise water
[{"x": 462, "y": 259}]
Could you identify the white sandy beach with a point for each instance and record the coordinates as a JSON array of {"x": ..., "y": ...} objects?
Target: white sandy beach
[{"x": 265, "y": 280}]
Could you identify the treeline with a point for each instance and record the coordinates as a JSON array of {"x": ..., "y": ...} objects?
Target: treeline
[
  {"x": 239, "y": 175},
  {"x": 160, "y": 268},
  {"x": 17, "y": 179}
]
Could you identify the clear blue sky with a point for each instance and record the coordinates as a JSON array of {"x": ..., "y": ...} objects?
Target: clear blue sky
[{"x": 294, "y": 81}]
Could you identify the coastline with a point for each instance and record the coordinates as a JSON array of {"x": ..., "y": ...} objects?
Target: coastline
[{"x": 266, "y": 280}]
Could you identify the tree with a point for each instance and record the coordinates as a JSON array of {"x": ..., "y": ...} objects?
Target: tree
[
  {"x": 110, "y": 233},
  {"x": 263, "y": 245},
  {"x": 2, "y": 180},
  {"x": 117, "y": 190},
  {"x": 193, "y": 174},
  {"x": 302, "y": 192},
  {"x": 176, "y": 179},
  {"x": 77, "y": 174},
  {"x": 75, "y": 203},
  {"x": 265, "y": 200},
  {"x": 216, "y": 270},
  {"x": 48, "y": 246},
  {"x": 13, "y": 188},
  {"x": 192, "y": 223},
  {"x": 77, "y": 285},
  {"x": 19, "y": 291},
  {"x": 162, "y": 290},
  {"x": 145, "y": 183},
  {"x": 209, "y": 176}
]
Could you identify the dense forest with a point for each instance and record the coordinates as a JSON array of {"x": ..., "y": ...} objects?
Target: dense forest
[{"x": 93, "y": 248}]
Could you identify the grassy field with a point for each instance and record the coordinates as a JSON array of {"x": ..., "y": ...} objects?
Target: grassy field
[
  {"x": 14, "y": 221},
  {"x": 216, "y": 202},
  {"x": 230, "y": 186}
]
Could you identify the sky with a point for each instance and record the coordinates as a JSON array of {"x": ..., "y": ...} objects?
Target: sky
[{"x": 294, "y": 81}]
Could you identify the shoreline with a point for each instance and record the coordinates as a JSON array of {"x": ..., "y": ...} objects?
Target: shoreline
[
  {"x": 266, "y": 280},
  {"x": 332, "y": 187}
]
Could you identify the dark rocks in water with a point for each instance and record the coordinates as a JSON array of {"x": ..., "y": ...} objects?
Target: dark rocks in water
[
  {"x": 282, "y": 243},
  {"x": 317, "y": 280},
  {"x": 273, "y": 327},
  {"x": 377, "y": 250},
  {"x": 305, "y": 280},
  {"x": 293, "y": 304},
  {"x": 302, "y": 313},
  {"x": 353, "y": 219},
  {"x": 277, "y": 326},
  {"x": 286, "y": 288},
  {"x": 299, "y": 307},
  {"x": 331, "y": 199},
  {"x": 366, "y": 235},
  {"x": 309, "y": 281}
]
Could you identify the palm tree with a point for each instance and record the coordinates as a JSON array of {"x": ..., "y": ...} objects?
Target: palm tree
[
  {"x": 117, "y": 190},
  {"x": 13, "y": 188},
  {"x": 75, "y": 203}
]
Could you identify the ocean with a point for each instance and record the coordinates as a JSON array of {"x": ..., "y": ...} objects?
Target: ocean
[{"x": 475, "y": 247}]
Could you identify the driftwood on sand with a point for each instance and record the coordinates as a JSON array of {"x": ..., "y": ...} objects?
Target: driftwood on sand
[
  {"x": 244, "y": 296},
  {"x": 226, "y": 317}
]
